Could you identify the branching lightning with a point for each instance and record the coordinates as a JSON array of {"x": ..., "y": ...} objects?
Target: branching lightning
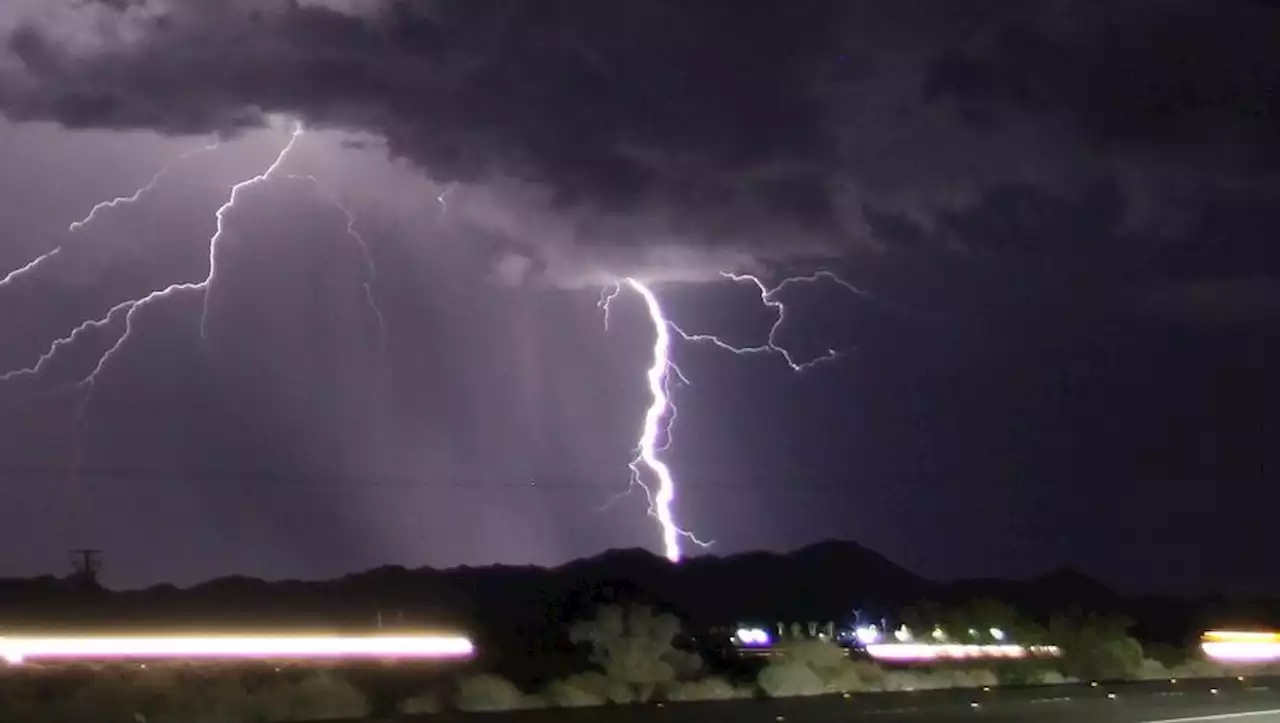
[
  {"x": 47, "y": 358},
  {"x": 655, "y": 434},
  {"x": 206, "y": 286},
  {"x": 28, "y": 267},
  {"x": 370, "y": 270},
  {"x": 141, "y": 192},
  {"x": 768, "y": 297},
  {"x": 129, "y": 309},
  {"x": 75, "y": 226},
  {"x": 648, "y": 470}
]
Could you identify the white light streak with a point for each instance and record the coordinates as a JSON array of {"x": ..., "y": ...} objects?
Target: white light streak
[
  {"x": 271, "y": 647},
  {"x": 950, "y": 651}
]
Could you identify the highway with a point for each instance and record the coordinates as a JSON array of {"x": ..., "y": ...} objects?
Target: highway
[{"x": 1183, "y": 701}]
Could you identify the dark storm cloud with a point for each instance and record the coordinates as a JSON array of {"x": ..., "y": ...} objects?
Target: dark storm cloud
[
  {"x": 783, "y": 128},
  {"x": 1179, "y": 81},
  {"x": 1223, "y": 301}
]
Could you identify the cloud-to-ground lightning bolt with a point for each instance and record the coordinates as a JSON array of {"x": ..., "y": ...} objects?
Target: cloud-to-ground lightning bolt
[
  {"x": 655, "y": 435},
  {"x": 370, "y": 270}
]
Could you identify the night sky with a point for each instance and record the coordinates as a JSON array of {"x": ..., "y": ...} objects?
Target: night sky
[{"x": 1060, "y": 217}]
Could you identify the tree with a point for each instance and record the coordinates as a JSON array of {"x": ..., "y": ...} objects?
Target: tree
[
  {"x": 633, "y": 645},
  {"x": 1096, "y": 647}
]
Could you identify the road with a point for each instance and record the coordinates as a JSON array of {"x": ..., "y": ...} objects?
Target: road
[{"x": 1183, "y": 701}]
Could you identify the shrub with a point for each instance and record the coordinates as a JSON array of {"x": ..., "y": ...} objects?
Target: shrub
[
  {"x": 814, "y": 667},
  {"x": 1097, "y": 648},
  {"x": 1048, "y": 676},
  {"x": 318, "y": 696},
  {"x": 597, "y": 686},
  {"x": 972, "y": 678},
  {"x": 789, "y": 678},
  {"x": 633, "y": 646},
  {"x": 111, "y": 695},
  {"x": 585, "y": 690},
  {"x": 492, "y": 693},
  {"x": 1202, "y": 668},
  {"x": 1150, "y": 669},
  {"x": 421, "y": 703},
  {"x": 707, "y": 689}
]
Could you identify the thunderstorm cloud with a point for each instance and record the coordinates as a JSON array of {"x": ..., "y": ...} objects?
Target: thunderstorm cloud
[{"x": 679, "y": 139}]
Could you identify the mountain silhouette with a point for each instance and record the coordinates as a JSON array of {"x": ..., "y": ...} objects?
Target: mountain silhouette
[{"x": 526, "y": 607}]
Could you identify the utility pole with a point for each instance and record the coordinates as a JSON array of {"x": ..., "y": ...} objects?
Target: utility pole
[{"x": 87, "y": 564}]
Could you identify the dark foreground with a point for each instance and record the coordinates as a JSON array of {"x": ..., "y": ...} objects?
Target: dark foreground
[{"x": 1253, "y": 700}]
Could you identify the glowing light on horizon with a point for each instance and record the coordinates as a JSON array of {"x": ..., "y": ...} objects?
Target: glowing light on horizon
[
  {"x": 17, "y": 650},
  {"x": 753, "y": 637}
]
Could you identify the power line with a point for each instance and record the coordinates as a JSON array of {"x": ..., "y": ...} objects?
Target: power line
[{"x": 101, "y": 475}]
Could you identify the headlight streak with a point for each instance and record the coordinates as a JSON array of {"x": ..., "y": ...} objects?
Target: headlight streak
[{"x": 17, "y": 650}]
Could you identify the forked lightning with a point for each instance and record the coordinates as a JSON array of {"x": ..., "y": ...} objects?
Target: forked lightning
[
  {"x": 655, "y": 434},
  {"x": 129, "y": 309}
]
